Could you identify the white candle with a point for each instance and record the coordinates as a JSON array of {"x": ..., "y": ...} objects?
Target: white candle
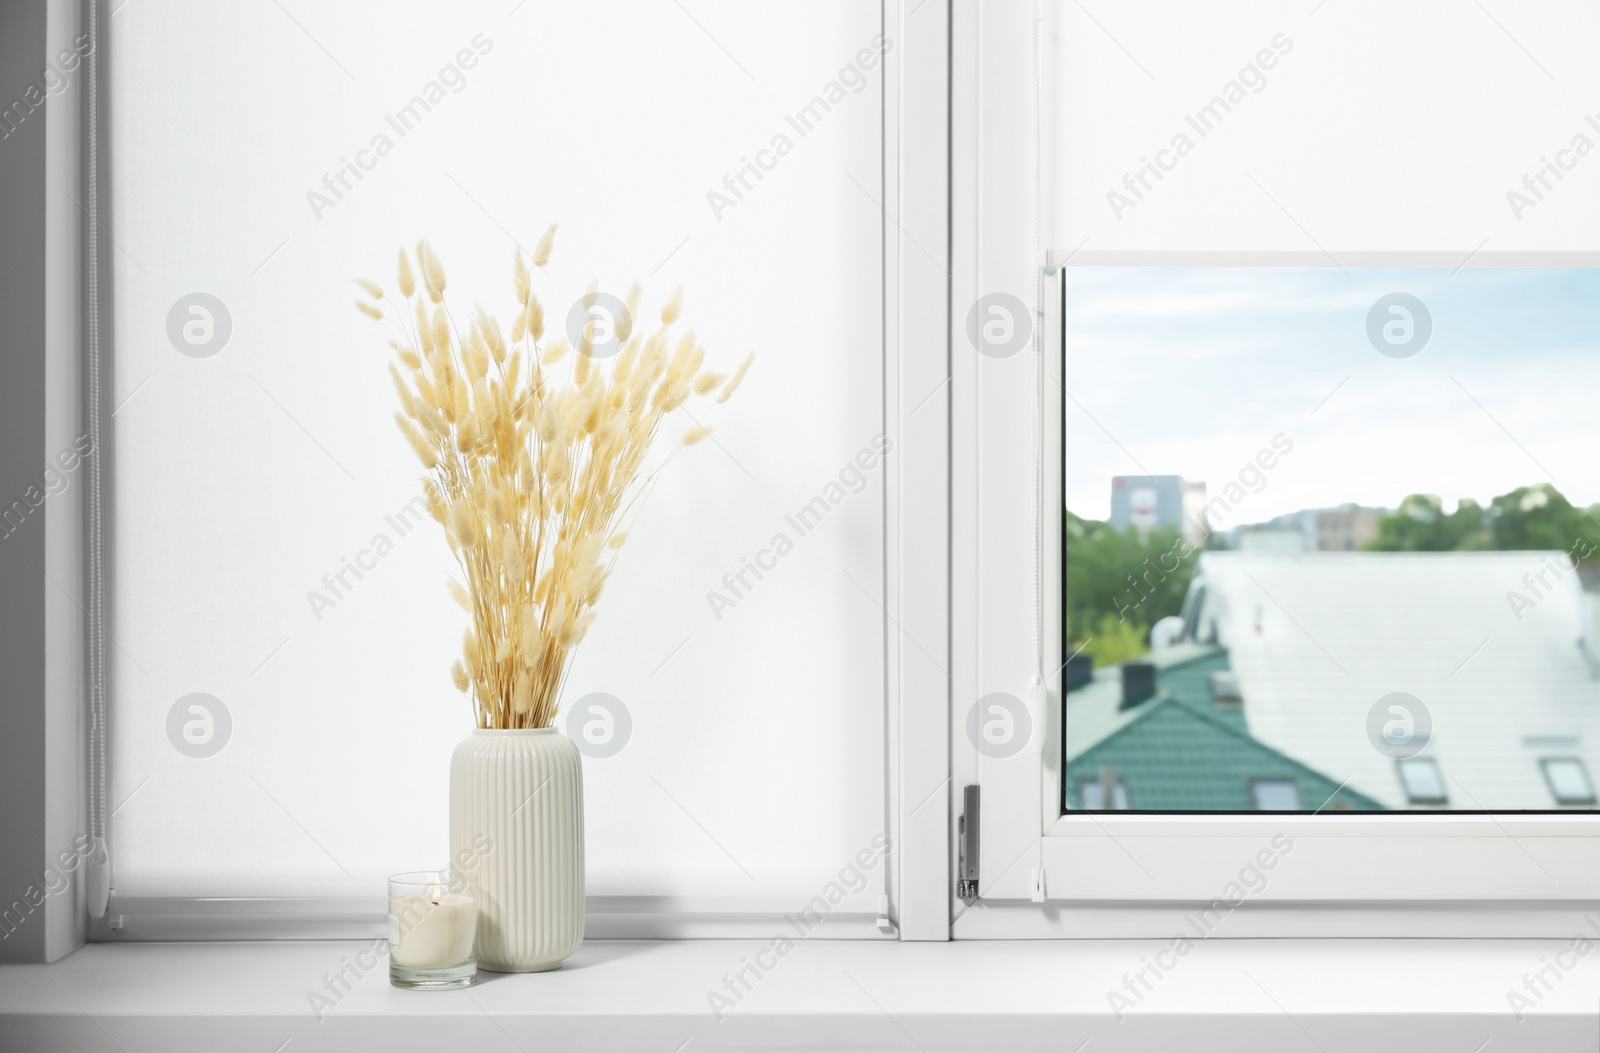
[{"x": 432, "y": 931}]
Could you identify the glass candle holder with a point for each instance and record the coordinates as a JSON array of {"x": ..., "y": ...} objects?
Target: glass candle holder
[{"x": 433, "y": 930}]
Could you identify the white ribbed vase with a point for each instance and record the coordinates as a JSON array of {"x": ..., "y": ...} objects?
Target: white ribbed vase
[{"x": 516, "y": 806}]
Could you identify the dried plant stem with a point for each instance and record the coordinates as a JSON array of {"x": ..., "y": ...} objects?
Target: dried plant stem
[{"x": 530, "y": 476}]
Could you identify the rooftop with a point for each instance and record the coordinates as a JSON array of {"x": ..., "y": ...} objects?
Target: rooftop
[
  {"x": 1179, "y": 751},
  {"x": 1487, "y": 642}
]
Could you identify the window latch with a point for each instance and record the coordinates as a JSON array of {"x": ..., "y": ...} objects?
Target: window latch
[{"x": 967, "y": 829}]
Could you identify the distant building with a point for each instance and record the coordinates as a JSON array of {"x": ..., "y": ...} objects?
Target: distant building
[
  {"x": 1485, "y": 665},
  {"x": 1346, "y": 529},
  {"x": 1268, "y": 539},
  {"x": 1150, "y": 502}
]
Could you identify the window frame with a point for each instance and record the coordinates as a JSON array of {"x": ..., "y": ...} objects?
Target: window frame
[
  {"x": 1043, "y": 874},
  {"x": 1135, "y": 875}
]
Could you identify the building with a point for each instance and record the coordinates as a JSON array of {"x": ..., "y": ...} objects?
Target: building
[
  {"x": 1149, "y": 502},
  {"x": 1347, "y": 528},
  {"x": 1483, "y": 666},
  {"x": 1269, "y": 539},
  {"x": 1170, "y": 734}
]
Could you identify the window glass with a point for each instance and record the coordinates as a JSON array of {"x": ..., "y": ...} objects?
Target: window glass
[
  {"x": 1092, "y": 796},
  {"x": 1341, "y": 516},
  {"x": 1421, "y": 780},
  {"x": 1569, "y": 781},
  {"x": 282, "y": 707},
  {"x": 1276, "y": 795}
]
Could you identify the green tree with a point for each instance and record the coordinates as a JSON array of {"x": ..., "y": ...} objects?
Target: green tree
[
  {"x": 1529, "y": 517},
  {"x": 1535, "y": 517},
  {"x": 1116, "y": 641},
  {"x": 1421, "y": 524},
  {"x": 1121, "y": 579}
]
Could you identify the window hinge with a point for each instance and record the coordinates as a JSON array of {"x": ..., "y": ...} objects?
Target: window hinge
[
  {"x": 1037, "y": 884},
  {"x": 885, "y": 923},
  {"x": 967, "y": 828}
]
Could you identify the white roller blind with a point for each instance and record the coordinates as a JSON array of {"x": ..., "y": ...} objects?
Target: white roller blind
[
  {"x": 1350, "y": 126},
  {"x": 247, "y": 481}
]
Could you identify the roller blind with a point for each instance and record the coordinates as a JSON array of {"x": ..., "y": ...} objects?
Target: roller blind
[
  {"x": 1336, "y": 128},
  {"x": 282, "y": 713}
]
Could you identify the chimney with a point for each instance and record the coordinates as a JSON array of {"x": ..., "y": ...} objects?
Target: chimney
[
  {"x": 1589, "y": 614},
  {"x": 1080, "y": 671},
  {"x": 1138, "y": 683}
]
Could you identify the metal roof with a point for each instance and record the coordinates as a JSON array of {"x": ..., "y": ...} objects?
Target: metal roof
[
  {"x": 1178, "y": 751},
  {"x": 1316, "y": 639}
]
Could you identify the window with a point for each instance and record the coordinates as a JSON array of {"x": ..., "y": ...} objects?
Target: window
[
  {"x": 1289, "y": 548},
  {"x": 1276, "y": 795},
  {"x": 1092, "y": 795},
  {"x": 1419, "y": 777},
  {"x": 282, "y": 712},
  {"x": 1225, "y": 690},
  {"x": 1205, "y": 268},
  {"x": 1568, "y": 780}
]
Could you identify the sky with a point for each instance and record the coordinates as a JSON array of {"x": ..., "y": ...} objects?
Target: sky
[{"x": 1192, "y": 370}]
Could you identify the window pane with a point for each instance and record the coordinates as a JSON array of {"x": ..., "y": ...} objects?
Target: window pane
[
  {"x": 1420, "y": 778},
  {"x": 1569, "y": 781},
  {"x": 1092, "y": 796},
  {"x": 1276, "y": 795},
  {"x": 268, "y": 551},
  {"x": 1317, "y": 522}
]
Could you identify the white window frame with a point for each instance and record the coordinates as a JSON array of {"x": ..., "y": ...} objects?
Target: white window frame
[{"x": 1045, "y": 874}]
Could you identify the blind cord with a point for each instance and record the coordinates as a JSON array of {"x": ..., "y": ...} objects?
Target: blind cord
[{"x": 98, "y": 873}]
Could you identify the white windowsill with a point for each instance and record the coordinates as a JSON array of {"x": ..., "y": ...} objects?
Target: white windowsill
[{"x": 1375, "y": 995}]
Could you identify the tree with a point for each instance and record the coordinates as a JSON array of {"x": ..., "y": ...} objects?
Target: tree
[
  {"x": 1534, "y": 517},
  {"x": 1421, "y": 524},
  {"x": 1119, "y": 583},
  {"x": 1529, "y": 517}
]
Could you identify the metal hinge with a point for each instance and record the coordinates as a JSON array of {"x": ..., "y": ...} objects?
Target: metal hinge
[
  {"x": 967, "y": 830},
  {"x": 885, "y": 923}
]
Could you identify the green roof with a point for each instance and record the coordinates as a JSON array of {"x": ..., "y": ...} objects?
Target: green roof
[{"x": 1179, "y": 751}]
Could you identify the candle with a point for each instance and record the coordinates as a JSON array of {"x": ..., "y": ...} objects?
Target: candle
[
  {"x": 433, "y": 927},
  {"x": 426, "y": 931}
]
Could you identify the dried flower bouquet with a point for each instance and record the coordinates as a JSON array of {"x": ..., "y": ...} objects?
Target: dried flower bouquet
[{"x": 535, "y": 452}]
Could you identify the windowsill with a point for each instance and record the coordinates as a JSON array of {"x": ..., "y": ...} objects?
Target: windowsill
[{"x": 1241, "y": 995}]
